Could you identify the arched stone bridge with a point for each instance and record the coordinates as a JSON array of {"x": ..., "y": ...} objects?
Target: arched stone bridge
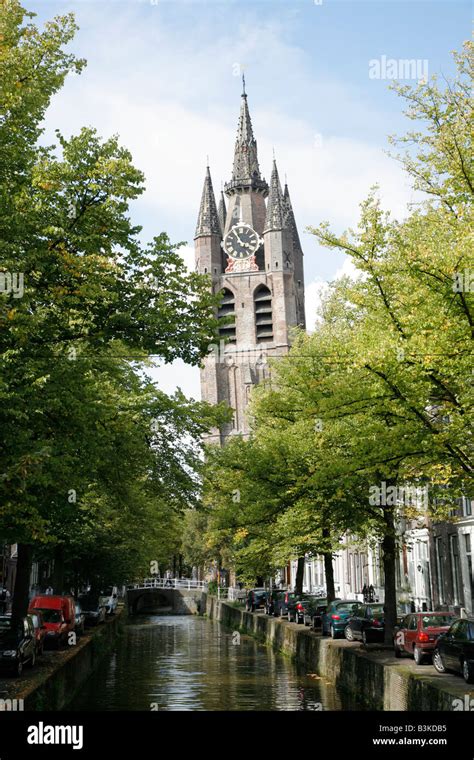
[{"x": 176, "y": 596}]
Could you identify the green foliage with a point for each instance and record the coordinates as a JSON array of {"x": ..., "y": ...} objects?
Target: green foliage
[{"x": 94, "y": 459}]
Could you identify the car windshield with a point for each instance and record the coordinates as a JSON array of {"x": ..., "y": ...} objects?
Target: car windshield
[
  {"x": 5, "y": 624},
  {"x": 11, "y": 634},
  {"x": 376, "y": 609},
  {"x": 434, "y": 621},
  {"x": 89, "y": 603},
  {"x": 51, "y": 616},
  {"x": 345, "y": 606}
]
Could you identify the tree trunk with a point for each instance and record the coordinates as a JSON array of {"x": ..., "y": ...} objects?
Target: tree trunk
[
  {"x": 389, "y": 550},
  {"x": 299, "y": 576},
  {"x": 58, "y": 571},
  {"x": 329, "y": 573},
  {"x": 22, "y": 581}
]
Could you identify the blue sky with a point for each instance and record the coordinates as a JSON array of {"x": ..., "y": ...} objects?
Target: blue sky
[{"x": 165, "y": 76}]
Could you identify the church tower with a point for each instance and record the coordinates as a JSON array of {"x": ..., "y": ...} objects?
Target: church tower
[{"x": 250, "y": 248}]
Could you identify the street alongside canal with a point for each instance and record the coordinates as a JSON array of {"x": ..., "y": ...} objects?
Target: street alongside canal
[{"x": 192, "y": 663}]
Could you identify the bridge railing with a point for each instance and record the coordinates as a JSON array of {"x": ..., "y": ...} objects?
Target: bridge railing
[{"x": 185, "y": 583}]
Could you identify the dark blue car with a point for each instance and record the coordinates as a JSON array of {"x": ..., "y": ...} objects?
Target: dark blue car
[{"x": 334, "y": 619}]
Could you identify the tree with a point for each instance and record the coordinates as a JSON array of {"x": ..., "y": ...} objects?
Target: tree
[{"x": 83, "y": 305}]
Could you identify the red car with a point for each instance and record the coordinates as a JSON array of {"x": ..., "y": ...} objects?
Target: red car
[
  {"x": 59, "y": 617},
  {"x": 418, "y": 634},
  {"x": 40, "y": 630}
]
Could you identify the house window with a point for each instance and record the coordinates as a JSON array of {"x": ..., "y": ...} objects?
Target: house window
[
  {"x": 263, "y": 314},
  {"x": 470, "y": 565},
  {"x": 227, "y": 310},
  {"x": 439, "y": 568},
  {"x": 455, "y": 568}
]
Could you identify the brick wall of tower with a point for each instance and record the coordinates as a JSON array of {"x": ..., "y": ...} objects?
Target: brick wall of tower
[{"x": 231, "y": 370}]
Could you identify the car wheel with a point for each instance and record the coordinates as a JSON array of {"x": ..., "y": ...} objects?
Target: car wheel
[
  {"x": 418, "y": 656},
  {"x": 348, "y": 633},
  {"x": 438, "y": 662},
  {"x": 396, "y": 651},
  {"x": 468, "y": 671}
]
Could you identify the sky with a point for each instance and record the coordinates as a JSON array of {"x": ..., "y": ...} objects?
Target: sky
[{"x": 165, "y": 75}]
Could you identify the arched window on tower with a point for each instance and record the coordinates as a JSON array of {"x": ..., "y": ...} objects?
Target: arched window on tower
[
  {"x": 263, "y": 314},
  {"x": 227, "y": 309}
]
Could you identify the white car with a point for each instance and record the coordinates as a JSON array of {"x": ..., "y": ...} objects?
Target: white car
[{"x": 109, "y": 599}]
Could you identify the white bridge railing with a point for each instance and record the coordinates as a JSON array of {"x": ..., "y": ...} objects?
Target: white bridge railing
[{"x": 186, "y": 583}]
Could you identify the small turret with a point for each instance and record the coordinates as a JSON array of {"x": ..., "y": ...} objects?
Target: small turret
[{"x": 208, "y": 232}]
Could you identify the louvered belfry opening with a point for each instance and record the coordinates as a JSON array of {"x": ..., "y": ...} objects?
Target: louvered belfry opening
[
  {"x": 263, "y": 314},
  {"x": 227, "y": 309}
]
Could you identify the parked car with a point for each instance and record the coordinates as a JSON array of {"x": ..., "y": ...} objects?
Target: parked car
[
  {"x": 58, "y": 616},
  {"x": 335, "y": 616},
  {"x": 255, "y": 599},
  {"x": 109, "y": 598},
  {"x": 299, "y": 606},
  {"x": 80, "y": 619},
  {"x": 39, "y": 629},
  {"x": 270, "y": 600},
  {"x": 280, "y": 608},
  {"x": 94, "y": 611},
  {"x": 455, "y": 649},
  {"x": 366, "y": 623},
  {"x": 17, "y": 644},
  {"x": 418, "y": 634},
  {"x": 321, "y": 605}
]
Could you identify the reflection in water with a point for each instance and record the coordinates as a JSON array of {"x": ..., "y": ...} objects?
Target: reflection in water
[{"x": 191, "y": 663}]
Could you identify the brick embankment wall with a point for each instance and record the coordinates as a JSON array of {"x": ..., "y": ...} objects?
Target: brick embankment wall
[
  {"x": 58, "y": 676},
  {"x": 372, "y": 676}
]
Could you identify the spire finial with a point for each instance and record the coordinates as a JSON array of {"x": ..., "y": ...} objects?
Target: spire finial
[{"x": 243, "y": 84}]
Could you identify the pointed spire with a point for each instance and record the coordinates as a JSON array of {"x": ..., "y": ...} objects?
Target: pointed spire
[
  {"x": 208, "y": 220},
  {"x": 222, "y": 212},
  {"x": 245, "y": 154},
  {"x": 290, "y": 220},
  {"x": 275, "y": 219}
]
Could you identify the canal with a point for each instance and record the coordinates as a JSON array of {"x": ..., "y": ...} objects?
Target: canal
[{"x": 192, "y": 663}]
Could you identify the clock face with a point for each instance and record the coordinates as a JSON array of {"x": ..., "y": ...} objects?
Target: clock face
[{"x": 241, "y": 241}]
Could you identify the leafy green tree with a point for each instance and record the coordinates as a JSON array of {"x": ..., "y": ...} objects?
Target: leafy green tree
[{"x": 90, "y": 304}]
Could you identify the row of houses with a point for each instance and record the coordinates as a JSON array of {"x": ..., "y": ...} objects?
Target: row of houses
[
  {"x": 41, "y": 576},
  {"x": 434, "y": 571}
]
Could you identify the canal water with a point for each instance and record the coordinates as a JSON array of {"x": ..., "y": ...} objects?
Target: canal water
[{"x": 192, "y": 663}]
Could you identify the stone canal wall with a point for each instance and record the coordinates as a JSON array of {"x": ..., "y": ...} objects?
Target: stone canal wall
[
  {"x": 373, "y": 677},
  {"x": 57, "y": 677}
]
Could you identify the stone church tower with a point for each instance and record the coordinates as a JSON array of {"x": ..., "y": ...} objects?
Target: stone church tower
[{"x": 251, "y": 251}]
